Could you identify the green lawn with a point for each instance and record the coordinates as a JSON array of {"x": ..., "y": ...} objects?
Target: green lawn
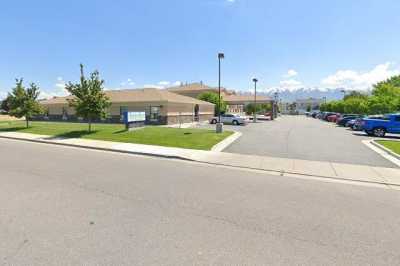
[
  {"x": 391, "y": 145},
  {"x": 200, "y": 139}
]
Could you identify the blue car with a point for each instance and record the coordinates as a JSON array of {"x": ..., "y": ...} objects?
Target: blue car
[{"x": 378, "y": 127}]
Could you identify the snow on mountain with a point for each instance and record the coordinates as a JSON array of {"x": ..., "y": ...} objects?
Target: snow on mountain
[{"x": 290, "y": 95}]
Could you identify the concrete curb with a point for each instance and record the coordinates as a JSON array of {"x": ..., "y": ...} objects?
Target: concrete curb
[
  {"x": 383, "y": 151},
  {"x": 99, "y": 148},
  {"x": 392, "y": 153},
  {"x": 226, "y": 142},
  {"x": 302, "y": 174}
]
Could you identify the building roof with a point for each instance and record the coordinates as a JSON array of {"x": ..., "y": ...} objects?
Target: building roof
[
  {"x": 198, "y": 86},
  {"x": 234, "y": 98},
  {"x": 136, "y": 96}
]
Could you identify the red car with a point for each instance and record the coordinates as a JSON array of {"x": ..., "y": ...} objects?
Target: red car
[{"x": 333, "y": 118}]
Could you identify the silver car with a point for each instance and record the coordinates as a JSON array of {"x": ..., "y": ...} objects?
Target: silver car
[{"x": 230, "y": 119}]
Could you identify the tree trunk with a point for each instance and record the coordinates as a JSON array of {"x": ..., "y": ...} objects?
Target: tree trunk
[
  {"x": 27, "y": 122},
  {"x": 90, "y": 125}
]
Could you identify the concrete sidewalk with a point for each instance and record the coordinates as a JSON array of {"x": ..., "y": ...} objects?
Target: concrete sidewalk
[{"x": 349, "y": 172}]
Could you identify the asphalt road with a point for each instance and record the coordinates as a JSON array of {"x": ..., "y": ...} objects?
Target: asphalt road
[
  {"x": 305, "y": 138},
  {"x": 72, "y": 206}
]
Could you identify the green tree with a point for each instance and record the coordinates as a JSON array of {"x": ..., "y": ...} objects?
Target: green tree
[
  {"x": 355, "y": 94},
  {"x": 323, "y": 107},
  {"x": 212, "y": 97},
  {"x": 263, "y": 107},
  {"x": 251, "y": 108},
  {"x": 382, "y": 105},
  {"x": 356, "y": 106},
  {"x": 23, "y": 101},
  {"x": 89, "y": 100},
  {"x": 391, "y": 85},
  {"x": 308, "y": 108}
]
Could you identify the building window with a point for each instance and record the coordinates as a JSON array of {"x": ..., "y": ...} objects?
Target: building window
[
  {"x": 122, "y": 110},
  {"x": 154, "y": 113}
]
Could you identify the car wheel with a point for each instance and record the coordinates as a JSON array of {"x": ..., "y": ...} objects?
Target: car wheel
[
  {"x": 214, "y": 121},
  {"x": 234, "y": 122},
  {"x": 379, "y": 132}
]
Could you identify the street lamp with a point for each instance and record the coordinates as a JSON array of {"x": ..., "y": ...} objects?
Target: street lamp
[
  {"x": 255, "y": 100},
  {"x": 275, "y": 105},
  {"x": 219, "y": 126}
]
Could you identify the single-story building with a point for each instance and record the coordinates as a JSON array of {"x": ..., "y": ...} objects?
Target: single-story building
[
  {"x": 161, "y": 107},
  {"x": 235, "y": 102}
]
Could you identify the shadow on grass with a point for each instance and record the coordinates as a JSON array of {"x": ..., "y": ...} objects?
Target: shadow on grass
[
  {"x": 120, "y": 131},
  {"x": 10, "y": 129},
  {"x": 74, "y": 134}
]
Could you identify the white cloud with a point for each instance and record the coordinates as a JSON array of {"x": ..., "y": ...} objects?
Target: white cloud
[
  {"x": 351, "y": 79},
  {"x": 110, "y": 89},
  {"x": 153, "y": 86},
  {"x": 164, "y": 83},
  {"x": 231, "y": 1},
  {"x": 128, "y": 82},
  {"x": 58, "y": 91},
  {"x": 60, "y": 83},
  {"x": 291, "y": 73}
]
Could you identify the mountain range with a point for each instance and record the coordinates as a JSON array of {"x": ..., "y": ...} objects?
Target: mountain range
[{"x": 290, "y": 95}]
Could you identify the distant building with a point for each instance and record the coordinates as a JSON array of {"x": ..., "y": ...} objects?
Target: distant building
[
  {"x": 235, "y": 102},
  {"x": 300, "y": 106},
  {"x": 311, "y": 103}
]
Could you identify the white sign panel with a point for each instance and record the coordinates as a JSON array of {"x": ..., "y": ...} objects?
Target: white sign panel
[{"x": 136, "y": 117}]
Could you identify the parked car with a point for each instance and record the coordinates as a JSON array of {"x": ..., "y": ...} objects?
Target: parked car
[
  {"x": 350, "y": 123},
  {"x": 314, "y": 114},
  {"x": 231, "y": 119},
  {"x": 332, "y": 118},
  {"x": 343, "y": 120},
  {"x": 380, "y": 126},
  {"x": 324, "y": 115},
  {"x": 357, "y": 124}
]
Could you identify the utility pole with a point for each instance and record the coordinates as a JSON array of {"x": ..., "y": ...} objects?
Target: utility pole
[
  {"x": 255, "y": 100},
  {"x": 219, "y": 126}
]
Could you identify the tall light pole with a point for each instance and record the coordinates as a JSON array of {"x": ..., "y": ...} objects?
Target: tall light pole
[
  {"x": 255, "y": 100},
  {"x": 275, "y": 105},
  {"x": 219, "y": 126}
]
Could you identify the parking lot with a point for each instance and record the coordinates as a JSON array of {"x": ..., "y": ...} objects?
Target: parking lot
[{"x": 305, "y": 138}]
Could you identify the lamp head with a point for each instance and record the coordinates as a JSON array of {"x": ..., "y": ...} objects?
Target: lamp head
[{"x": 221, "y": 56}]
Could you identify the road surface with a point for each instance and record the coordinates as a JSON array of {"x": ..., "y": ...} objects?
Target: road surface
[
  {"x": 299, "y": 137},
  {"x": 72, "y": 206}
]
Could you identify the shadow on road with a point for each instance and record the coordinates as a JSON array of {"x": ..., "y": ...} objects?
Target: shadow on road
[{"x": 361, "y": 134}]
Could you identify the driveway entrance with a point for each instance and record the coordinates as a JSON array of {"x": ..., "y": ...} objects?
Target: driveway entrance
[{"x": 305, "y": 138}]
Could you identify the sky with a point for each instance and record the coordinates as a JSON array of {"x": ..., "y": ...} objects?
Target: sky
[{"x": 159, "y": 43}]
